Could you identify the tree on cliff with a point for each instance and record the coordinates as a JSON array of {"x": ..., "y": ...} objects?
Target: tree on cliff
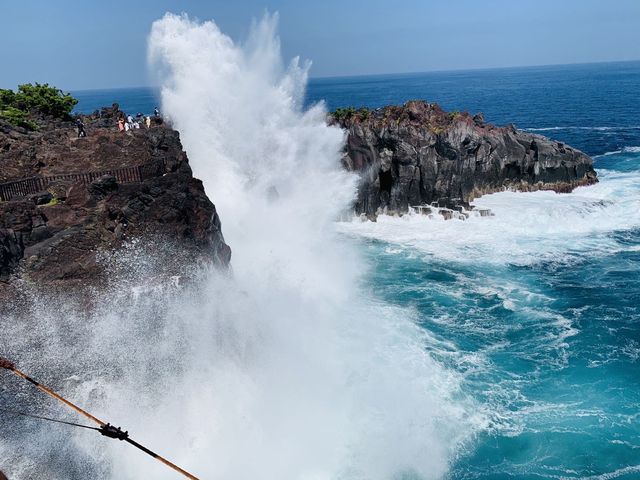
[{"x": 32, "y": 100}]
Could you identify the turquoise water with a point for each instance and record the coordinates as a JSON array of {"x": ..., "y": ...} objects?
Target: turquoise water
[
  {"x": 549, "y": 350},
  {"x": 535, "y": 308},
  {"x": 544, "y": 327}
]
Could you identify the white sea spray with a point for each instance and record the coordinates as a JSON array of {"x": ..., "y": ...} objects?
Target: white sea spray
[{"x": 283, "y": 368}]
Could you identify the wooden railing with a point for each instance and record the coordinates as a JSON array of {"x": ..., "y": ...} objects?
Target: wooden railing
[{"x": 29, "y": 186}]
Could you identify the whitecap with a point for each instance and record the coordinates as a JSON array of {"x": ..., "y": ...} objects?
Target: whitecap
[
  {"x": 598, "y": 129},
  {"x": 526, "y": 228}
]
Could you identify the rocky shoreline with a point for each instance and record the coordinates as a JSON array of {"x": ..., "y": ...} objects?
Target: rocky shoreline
[
  {"x": 71, "y": 201},
  {"x": 419, "y": 155}
]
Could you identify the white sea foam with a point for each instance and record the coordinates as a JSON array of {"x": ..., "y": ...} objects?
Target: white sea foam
[
  {"x": 621, "y": 472},
  {"x": 284, "y": 370},
  {"x": 617, "y": 152},
  {"x": 597, "y": 129},
  {"x": 526, "y": 227},
  {"x": 295, "y": 373}
]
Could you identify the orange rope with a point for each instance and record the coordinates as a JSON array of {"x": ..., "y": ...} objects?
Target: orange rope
[{"x": 8, "y": 365}]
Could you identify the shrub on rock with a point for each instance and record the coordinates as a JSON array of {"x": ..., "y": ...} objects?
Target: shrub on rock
[{"x": 31, "y": 100}]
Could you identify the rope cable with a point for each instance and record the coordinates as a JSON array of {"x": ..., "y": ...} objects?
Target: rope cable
[
  {"x": 105, "y": 429},
  {"x": 40, "y": 417}
]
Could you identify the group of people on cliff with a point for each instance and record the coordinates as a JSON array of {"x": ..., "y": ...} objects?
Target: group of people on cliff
[
  {"x": 124, "y": 125},
  {"x": 131, "y": 123}
]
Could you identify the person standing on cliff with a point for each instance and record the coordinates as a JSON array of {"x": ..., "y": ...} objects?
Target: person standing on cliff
[
  {"x": 121, "y": 124},
  {"x": 81, "y": 131},
  {"x": 156, "y": 112}
]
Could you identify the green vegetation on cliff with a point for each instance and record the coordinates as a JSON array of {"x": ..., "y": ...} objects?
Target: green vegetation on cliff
[
  {"x": 351, "y": 113},
  {"x": 19, "y": 107}
]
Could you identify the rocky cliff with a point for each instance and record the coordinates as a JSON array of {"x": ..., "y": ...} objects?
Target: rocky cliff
[
  {"x": 418, "y": 154},
  {"x": 66, "y": 201}
]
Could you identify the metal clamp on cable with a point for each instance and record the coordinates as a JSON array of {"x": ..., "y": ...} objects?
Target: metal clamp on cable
[{"x": 110, "y": 431}]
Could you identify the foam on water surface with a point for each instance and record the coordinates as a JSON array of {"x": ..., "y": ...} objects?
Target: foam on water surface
[
  {"x": 525, "y": 227},
  {"x": 537, "y": 308}
]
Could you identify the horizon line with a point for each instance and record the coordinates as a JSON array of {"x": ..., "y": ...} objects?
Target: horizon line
[{"x": 416, "y": 72}]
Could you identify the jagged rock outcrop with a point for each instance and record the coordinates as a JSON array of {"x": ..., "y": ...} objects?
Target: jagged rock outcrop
[
  {"x": 55, "y": 237},
  {"x": 417, "y": 154}
]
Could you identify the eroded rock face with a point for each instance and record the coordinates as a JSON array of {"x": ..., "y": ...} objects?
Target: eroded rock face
[
  {"x": 56, "y": 237},
  {"x": 418, "y": 154}
]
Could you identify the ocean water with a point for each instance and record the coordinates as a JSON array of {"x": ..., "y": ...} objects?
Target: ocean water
[
  {"x": 536, "y": 310},
  {"x": 593, "y": 107}
]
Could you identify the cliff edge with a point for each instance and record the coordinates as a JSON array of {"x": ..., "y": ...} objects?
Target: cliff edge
[{"x": 65, "y": 201}]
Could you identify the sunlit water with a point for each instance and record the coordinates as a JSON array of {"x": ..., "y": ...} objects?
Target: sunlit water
[
  {"x": 537, "y": 307},
  {"x": 498, "y": 347}
]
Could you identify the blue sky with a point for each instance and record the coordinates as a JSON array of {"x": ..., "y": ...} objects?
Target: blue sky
[{"x": 101, "y": 44}]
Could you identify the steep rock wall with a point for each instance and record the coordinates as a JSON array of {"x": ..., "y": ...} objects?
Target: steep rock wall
[{"x": 417, "y": 154}]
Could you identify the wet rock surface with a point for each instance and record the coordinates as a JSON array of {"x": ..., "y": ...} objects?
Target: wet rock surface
[
  {"x": 57, "y": 237},
  {"x": 418, "y": 154}
]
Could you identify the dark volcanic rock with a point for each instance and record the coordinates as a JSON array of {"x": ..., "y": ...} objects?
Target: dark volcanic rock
[
  {"x": 56, "y": 237},
  {"x": 418, "y": 154},
  {"x": 10, "y": 252},
  {"x": 54, "y": 148}
]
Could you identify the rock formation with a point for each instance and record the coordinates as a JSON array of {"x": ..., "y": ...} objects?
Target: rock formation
[
  {"x": 67, "y": 202},
  {"x": 417, "y": 154},
  {"x": 94, "y": 195}
]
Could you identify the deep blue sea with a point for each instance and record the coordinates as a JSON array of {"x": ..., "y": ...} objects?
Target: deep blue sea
[{"x": 537, "y": 309}]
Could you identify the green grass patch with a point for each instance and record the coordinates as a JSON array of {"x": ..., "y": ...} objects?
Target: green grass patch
[{"x": 52, "y": 202}]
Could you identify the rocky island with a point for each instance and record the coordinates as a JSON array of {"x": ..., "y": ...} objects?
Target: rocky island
[{"x": 418, "y": 154}]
